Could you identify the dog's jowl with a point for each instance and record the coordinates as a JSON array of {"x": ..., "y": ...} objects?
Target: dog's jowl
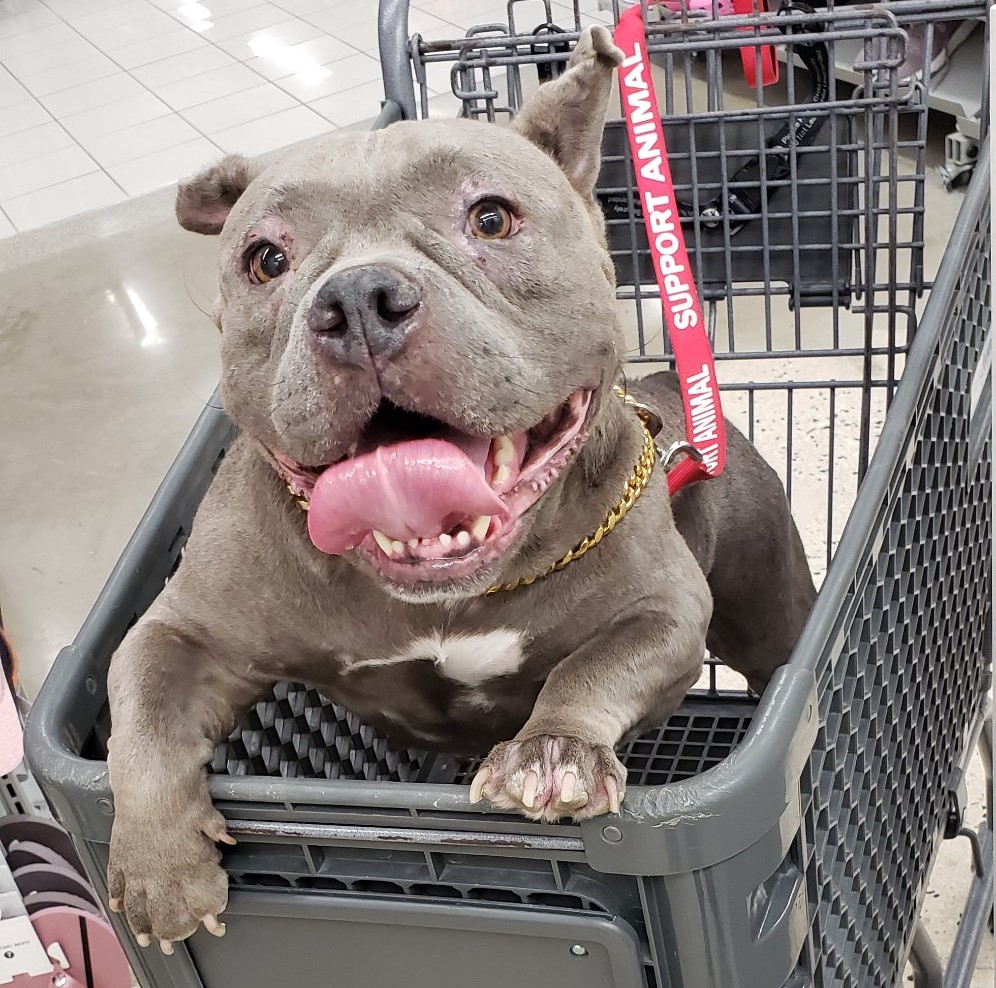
[{"x": 419, "y": 348}]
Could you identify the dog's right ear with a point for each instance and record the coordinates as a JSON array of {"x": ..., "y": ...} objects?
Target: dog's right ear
[{"x": 204, "y": 201}]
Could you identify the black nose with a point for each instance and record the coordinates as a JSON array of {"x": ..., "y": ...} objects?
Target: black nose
[{"x": 364, "y": 312}]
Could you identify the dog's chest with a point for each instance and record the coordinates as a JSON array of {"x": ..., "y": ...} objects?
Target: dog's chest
[{"x": 469, "y": 659}]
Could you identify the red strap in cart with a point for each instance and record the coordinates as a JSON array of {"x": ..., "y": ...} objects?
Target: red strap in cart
[
  {"x": 765, "y": 53},
  {"x": 679, "y": 297}
]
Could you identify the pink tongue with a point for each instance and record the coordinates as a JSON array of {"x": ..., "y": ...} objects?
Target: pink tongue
[{"x": 412, "y": 490}]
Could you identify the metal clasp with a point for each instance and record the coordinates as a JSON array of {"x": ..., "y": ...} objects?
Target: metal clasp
[{"x": 679, "y": 448}]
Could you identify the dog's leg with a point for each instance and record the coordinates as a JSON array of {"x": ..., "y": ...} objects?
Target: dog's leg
[
  {"x": 763, "y": 592},
  {"x": 636, "y": 671},
  {"x": 171, "y": 701}
]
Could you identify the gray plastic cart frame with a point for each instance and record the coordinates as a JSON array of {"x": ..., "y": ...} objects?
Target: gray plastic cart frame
[{"x": 799, "y": 857}]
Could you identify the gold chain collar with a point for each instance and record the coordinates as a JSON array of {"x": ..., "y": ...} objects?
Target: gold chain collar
[{"x": 635, "y": 486}]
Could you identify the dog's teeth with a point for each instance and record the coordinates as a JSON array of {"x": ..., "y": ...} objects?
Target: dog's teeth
[
  {"x": 504, "y": 451},
  {"x": 386, "y": 544},
  {"x": 445, "y": 539},
  {"x": 480, "y": 527},
  {"x": 413, "y": 543},
  {"x": 502, "y": 475},
  {"x": 462, "y": 538},
  {"x": 397, "y": 548}
]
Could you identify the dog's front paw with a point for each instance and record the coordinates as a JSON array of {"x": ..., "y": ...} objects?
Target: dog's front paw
[
  {"x": 548, "y": 777},
  {"x": 165, "y": 874}
]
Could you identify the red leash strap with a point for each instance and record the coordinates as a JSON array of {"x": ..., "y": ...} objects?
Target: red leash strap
[
  {"x": 765, "y": 53},
  {"x": 679, "y": 297}
]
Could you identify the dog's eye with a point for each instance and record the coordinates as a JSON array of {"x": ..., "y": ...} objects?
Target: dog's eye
[
  {"x": 267, "y": 262},
  {"x": 490, "y": 220}
]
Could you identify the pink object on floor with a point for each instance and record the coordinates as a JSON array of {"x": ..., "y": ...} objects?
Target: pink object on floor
[
  {"x": 11, "y": 734},
  {"x": 95, "y": 957}
]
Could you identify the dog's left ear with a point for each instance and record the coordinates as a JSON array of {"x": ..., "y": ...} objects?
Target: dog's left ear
[
  {"x": 204, "y": 201},
  {"x": 566, "y": 116}
]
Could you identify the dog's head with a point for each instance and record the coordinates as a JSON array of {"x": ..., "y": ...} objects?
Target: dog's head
[{"x": 418, "y": 324}]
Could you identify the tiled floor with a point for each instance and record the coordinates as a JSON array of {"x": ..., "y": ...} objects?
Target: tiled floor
[{"x": 101, "y": 100}]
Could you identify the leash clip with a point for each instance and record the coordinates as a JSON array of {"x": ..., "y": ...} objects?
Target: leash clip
[{"x": 680, "y": 448}]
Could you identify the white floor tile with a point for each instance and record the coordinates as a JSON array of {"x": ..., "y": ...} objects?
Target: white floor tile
[
  {"x": 49, "y": 169},
  {"x": 346, "y": 73},
  {"x": 77, "y": 8},
  {"x": 267, "y": 68},
  {"x": 364, "y": 36},
  {"x": 139, "y": 140},
  {"x": 28, "y": 20},
  {"x": 11, "y": 91},
  {"x": 299, "y": 8},
  {"x": 78, "y": 195},
  {"x": 469, "y": 12},
  {"x": 163, "y": 46},
  {"x": 114, "y": 116},
  {"x": 275, "y": 131},
  {"x": 152, "y": 171},
  {"x": 342, "y": 15},
  {"x": 120, "y": 13},
  {"x": 29, "y": 62},
  {"x": 182, "y": 66},
  {"x": 322, "y": 50},
  {"x": 21, "y": 116},
  {"x": 76, "y": 99},
  {"x": 154, "y": 24},
  {"x": 351, "y": 106},
  {"x": 251, "y": 19},
  {"x": 68, "y": 76},
  {"x": 239, "y": 108},
  {"x": 277, "y": 39},
  {"x": 37, "y": 39},
  {"x": 33, "y": 142},
  {"x": 219, "y": 8},
  {"x": 6, "y": 227},
  {"x": 208, "y": 86},
  {"x": 302, "y": 59}
]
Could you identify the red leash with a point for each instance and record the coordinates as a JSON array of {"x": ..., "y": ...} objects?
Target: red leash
[{"x": 679, "y": 297}]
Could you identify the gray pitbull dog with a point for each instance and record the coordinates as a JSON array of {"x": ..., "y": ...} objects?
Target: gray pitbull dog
[{"x": 419, "y": 339}]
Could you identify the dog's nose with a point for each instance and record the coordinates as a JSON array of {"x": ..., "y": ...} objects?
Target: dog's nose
[{"x": 365, "y": 311}]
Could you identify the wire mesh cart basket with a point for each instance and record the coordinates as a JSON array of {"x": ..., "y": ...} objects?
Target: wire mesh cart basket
[{"x": 780, "y": 841}]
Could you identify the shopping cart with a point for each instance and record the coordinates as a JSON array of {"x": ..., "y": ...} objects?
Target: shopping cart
[{"x": 780, "y": 842}]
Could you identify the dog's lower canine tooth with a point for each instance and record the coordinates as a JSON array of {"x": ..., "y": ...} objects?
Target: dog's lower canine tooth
[
  {"x": 502, "y": 474},
  {"x": 504, "y": 451},
  {"x": 480, "y": 527},
  {"x": 386, "y": 544}
]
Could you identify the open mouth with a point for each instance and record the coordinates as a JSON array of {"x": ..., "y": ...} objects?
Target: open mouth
[{"x": 427, "y": 503}]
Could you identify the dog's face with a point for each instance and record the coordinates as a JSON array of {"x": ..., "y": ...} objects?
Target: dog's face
[{"x": 418, "y": 325}]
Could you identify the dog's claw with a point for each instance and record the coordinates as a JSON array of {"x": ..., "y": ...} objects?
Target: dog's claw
[
  {"x": 612, "y": 791},
  {"x": 166, "y": 946},
  {"x": 477, "y": 786},
  {"x": 115, "y": 905},
  {"x": 143, "y": 939},
  {"x": 568, "y": 786},
  {"x": 228, "y": 839},
  {"x": 213, "y": 927},
  {"x": 530, "y": 788}
]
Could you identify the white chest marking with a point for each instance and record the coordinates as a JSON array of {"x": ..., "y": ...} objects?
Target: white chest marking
[{"x": 467, "y": 658}]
